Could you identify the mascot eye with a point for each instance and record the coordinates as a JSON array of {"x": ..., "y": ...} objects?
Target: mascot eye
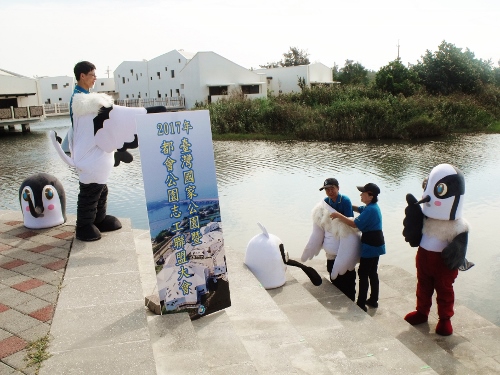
[
  {"x": 49, "y": 193},
  {"x": 424, "y": 183},
  {"x": 26, "y": 195},
  {"x": 441, "y": 189}
]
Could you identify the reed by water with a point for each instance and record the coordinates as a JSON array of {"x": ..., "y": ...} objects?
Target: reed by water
[{"x": 339, "y": 112}]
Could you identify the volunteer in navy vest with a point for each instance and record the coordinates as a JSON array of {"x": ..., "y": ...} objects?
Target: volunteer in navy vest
[{"x": 369, "y": 222}]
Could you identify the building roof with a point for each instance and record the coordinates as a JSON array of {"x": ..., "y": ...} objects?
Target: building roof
[{"x": 4, "y": 72}]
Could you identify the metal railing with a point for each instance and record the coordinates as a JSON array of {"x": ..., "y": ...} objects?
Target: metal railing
[
  {"x": 174, "y": 102},
  {"x": 56, "y": 109}
]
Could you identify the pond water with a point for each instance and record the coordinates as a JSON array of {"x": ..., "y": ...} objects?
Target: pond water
[{"x": 276, "y": 184}]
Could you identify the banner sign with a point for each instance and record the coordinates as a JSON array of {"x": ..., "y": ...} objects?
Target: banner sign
[{"x": 182, "y": 200}]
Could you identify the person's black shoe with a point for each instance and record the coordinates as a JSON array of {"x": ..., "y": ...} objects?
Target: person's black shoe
[
  {"x": 362, "y": 307},
  {"x": 372, "y": 303}
]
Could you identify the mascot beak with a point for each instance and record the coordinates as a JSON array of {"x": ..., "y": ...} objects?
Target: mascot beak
[{"x": 425, "y": 199}]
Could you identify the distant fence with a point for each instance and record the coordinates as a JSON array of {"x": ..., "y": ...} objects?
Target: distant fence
[
  {"x": 173, "y": 103},
  {"x": 56, "y": 109}
]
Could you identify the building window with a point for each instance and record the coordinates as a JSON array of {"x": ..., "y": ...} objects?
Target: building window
[
  {"x": 182, "y": 86},
  {"x": 141, "y": 74},
  {"x": 250, "y": 89},
  {"x": 66, "y": 85},
  {"x": 217, "y": 90},
  {"x": 172, "y": 73},
  {"x": 60, "y": 99},
  {"x": 54, "y": 86},
  {"x": 146, "y": 95},
  {"x": 151, "y": 78},
  {"x": 166, "y": 69},
  {"x": 136, "y": 77},
  {"x": 102, "y": 83},
  {"x": 126, "y": 96},
  {"x": 166, "y": 96},
  {"x": 158, "y": 74},
  {"x": 118, "y": 76},
  {"x": 158, "y": 93},
  {"x": 139, "y": 96},
  {"x": 170, "y": 92},
  {"x": 179, "y": 60},
  {"x": 128, "y": 80},
  {"x": 47, "y": 101},
  {"x": 177, "y": 92},
  {"x": 123, "y": 79},
  {"x": 132, "y": 72},
  {"x": 132, "y": 95}
]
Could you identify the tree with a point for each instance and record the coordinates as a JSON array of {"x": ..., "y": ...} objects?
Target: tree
[
  {"x": 292, "y": 58},
  {"x": 449, "y": 70},
  {"x": 396, "y": 78},
  {"x": 295, "y": 57},
  {"x": 353, "y": 73}
]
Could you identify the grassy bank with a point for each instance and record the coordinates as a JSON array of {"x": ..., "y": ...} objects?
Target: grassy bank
[{"x": 347, "y": 112}]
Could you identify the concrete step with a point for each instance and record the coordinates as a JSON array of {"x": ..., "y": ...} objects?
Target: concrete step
[
  {"x": 100, "y": 326},
  {"x": 472, "y": 349},
  {"x": 346, "y": 338}
]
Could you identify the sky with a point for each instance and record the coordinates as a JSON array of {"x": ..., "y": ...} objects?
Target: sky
[{"x": 47, "y": 38}]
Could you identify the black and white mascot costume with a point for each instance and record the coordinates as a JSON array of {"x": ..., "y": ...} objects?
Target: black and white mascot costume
[
  {"x": 98, "y": 140},
  {"x": 441, "y": 234}
]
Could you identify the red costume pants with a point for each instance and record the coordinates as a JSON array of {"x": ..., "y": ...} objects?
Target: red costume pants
[{"x": 432, "y": 275}]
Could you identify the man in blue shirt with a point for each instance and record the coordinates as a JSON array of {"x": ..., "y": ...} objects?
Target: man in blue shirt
[
  {"x": 85, "y": 78},
  {"x": 369, "y": 222},
  {"x": 346, "y": 283}
]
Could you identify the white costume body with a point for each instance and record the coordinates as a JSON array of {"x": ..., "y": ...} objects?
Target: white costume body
[
  {"x": 92, "y": 155},
  {"x": 340, "y": 241}
]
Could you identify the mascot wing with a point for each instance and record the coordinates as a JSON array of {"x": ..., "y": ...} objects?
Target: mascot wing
[
  {"x": 413, "y": 221},
  {"x": 53, "y": 137},
  {"x": 115, "y": 126},
  {"x": 454, "y": 254},
  {"x": 348, "y": 253}
]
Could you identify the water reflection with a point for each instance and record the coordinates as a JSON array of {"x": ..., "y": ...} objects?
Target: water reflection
[{"x": 277, "y": 184}]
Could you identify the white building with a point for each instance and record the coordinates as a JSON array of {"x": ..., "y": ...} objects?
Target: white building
[
  {"x": 208, "y": 77},
  {"x": 164, "y": 73},
  {"x": 20, "y": 100},
  {"x": 285, "y": 80},
  {"x": 106, "y": 86},
  {"x": 56, "y": 89},
  {"x": 157, "y": 78}
]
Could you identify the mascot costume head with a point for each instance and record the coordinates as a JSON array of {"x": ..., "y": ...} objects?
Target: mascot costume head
[
  {"x": 267, "y": 259},
  {"x": 43, "y": 201},
  {"x": 441, "y": 235}
]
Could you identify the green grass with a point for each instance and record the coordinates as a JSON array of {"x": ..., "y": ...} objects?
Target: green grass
[
  {"x": 493, "y": 128},
  {"x": 37, "y": 353}
]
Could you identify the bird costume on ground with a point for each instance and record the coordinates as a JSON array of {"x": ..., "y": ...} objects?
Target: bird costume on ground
[
  {"x": 98, "y": 140},
  {"x": 340, "y": 241},
  {"x": 441, "y": 234},
  {"x": 267, "y": 258}
]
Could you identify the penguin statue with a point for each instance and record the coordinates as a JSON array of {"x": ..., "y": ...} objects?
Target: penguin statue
[
  {"x": 441, "y": 234},
  {"x": 43, "y": 201},
  {"x": 266, "y": 257}
]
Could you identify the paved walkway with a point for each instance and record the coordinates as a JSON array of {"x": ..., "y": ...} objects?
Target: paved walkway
[{"x": 32, "y": 265}]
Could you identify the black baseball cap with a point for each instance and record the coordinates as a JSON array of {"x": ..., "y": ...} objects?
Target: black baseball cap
[
  {"x": 371, "y": 187},
  {"x": 329, "y": 182}
]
